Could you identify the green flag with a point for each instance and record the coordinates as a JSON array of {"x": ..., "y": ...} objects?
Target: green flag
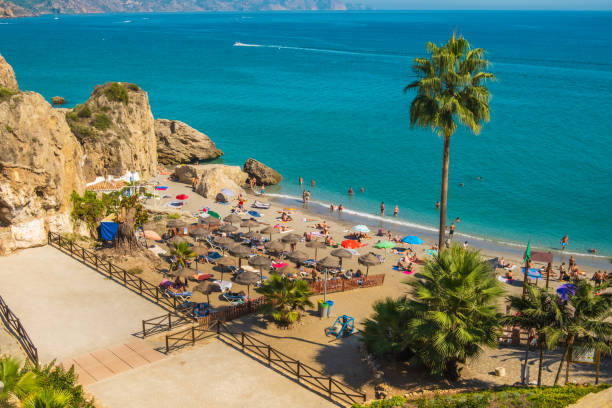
[{"x": 527, "y": 251}]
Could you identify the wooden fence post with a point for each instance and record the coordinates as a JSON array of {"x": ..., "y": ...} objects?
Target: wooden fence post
[
  {"x": 330, "y": 387},
  {"x": 242, "y": 341},
  {"x": 269, "y": 356},
  {"x": 70, "y": 247},
  {"x": 96, "y": 260},
  {"x": 192, "y": 335},
  {"x": 140, "y": 285},
  {"x": 83, "y": 253},
  {"x": 218, "y": 327},
  {"x": 110, "y": 269},
  {"x": 143, "y": 330},
  {"x": 167, "y": 346},
  {"x": 169, "y": 321},
  {"x": 298, "y": 371}
]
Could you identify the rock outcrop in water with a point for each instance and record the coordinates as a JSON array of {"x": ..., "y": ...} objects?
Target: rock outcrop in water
[
  {"x": 262, "y": 173},
  {"x": 40, "y": 166},
  {"x": 117, "y": 131},
  {"x": 178, "y": 143},
  {"x": 212, "y": 178}
]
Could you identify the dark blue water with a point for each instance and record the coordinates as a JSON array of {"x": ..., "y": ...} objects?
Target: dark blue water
[{"x": 322, "y": 97}]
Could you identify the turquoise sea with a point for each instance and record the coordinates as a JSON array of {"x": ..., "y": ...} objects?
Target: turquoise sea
[{"x": 320, "y": 95}]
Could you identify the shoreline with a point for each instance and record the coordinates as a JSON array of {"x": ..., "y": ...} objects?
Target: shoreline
[{"x": 492, "y": 248}]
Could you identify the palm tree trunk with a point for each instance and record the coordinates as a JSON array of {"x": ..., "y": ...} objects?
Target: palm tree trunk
[
  {"x": 524, "y": 370},
  {"x": 444, "y": 192},
  {"x": 561, "y": 365},
  {"x": 541, "y": 362}
]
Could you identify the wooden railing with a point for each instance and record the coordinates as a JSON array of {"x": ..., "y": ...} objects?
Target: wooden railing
[
  {"x": 16, "y": 328},
  {"x": 305, "y": 375},
  {"x": 342, "y": 285},
  {"x": 164, "y": 323},
  {"x": 138, "y": 285}
]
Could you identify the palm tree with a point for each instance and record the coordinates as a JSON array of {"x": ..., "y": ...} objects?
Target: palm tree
[
  {"x": 450, "y": 90},
  {"x": 182, "y": 251},
  {"x": 285, "y": 298},
  {"x": 586, "y": 321},
  {"x": 454, "y": 311},
  {"x": 385, "y": 332},
  {"x": 539, "y": 311},
  {"x": 48, "y": 398},
  {"x": 17, "y": 382}
]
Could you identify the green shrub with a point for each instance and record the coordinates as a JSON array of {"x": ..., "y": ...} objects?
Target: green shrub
[
  {"x": 81, "y": 131},
  {"x": 72, "y": 116},
  {"x": 6, "y": 93},
  {"x": 8, "y": 128},
  {"x": 134, "y": 271},
  {"x": 384, "y": 403},
  {"x": 101, "y": 121},
  {"x": 55, "y": 377},
  {"x": 104, "y": 108},
  {"x": 83, "y": 112},
  {"x": 133, "y": 87},
  {"x": 117, "y": 92},
  {"x": 174, "y": 216}
]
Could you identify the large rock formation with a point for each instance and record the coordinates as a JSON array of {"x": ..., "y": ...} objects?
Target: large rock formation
[
  {"x": 262, "y": 173},
  {"x": 40, "y": 166},
  {"x": 179, "y": 143},
  {"x": 7, "y": 76},
  {"x": 213, "y": 178},
  {"x": 117, "y": 131}
]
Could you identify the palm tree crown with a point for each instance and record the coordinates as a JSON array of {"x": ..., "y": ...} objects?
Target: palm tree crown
[
  {"x": 182, "y": 251},
  {"x": 285, "y": 298},
  {"x": 454, "y": 310}
]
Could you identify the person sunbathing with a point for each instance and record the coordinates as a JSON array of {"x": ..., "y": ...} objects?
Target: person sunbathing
[
  {"x": 329, "y": 241},
  {"x": 502, "y": 263},
  {"x": 358, "y": 274},
  {"x": 509, "y": 276}
]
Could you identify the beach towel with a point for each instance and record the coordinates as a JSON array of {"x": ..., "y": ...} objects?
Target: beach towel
[
  {"x": 431, "y": 252},
  {"x": 156, "y": 250},
  {"x": 254, "y": 214},
  {"x": 286, "y": 231},
  {"x": 309, "y": 219},
  {"x": 175, "y": 204},
  {"x": 533, "y": 273},
  {"x": 502, "y": 279}
]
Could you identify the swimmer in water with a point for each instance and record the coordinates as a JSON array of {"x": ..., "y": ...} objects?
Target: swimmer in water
[
  {"x": 312, "y": 183},
  {"x": 301, "y": 180},
  {"x": 350, "y": 191},
  {"x": 462, "y": 185},
  {"x": 362, "y": 189},
  {"x": 437, "y": 205}
]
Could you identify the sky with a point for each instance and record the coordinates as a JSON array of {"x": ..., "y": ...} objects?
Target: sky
[{"x": 489, "y": 4}]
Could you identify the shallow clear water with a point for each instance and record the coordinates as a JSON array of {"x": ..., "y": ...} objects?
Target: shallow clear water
[{"x": 322, "y": 98}]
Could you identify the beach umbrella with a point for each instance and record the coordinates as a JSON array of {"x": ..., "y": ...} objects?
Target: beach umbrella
[
  {"x": 566, "y": 290},
  {"x": 316, "y": 245},
  {"x": 253, "y": 235},
  {"x": 151, "y": 235},
  {"x": 200, "y": 250},
  {"x": 198, "y": 233},
  {"x": 412, "y": 240},
  {"x": 298, "y": 256},
  {"x": 182, "y": 197},
  {"x": 341, "y": 253},
  {"x": 385, "y": 244},
  {"x": 224, "y": 242},
  {"x": 223, "y": 262},
  {"x": 275, "y": 246},
  {"x": 269, "y": 230},
  {"x": 247, "y": 278},
  {"x": 361, "y": 228},
  {"x": 228, "y": 228},
  {"x": 182, "y": 273},
  {"x": 210, "y": 221},
  {"x": 249, "y": 223},
  {"x": 260, "y": 261},
  {"x": 161, "y": 188},
  {"x": 176, "y": 224},
  {"x": 212, "y": 213},
  {"x": 178, "y": 240},
  {"x": 240, "y": 251},
  {"x": 153, "y": 226},
  {"x": 205, "y": 288},
  {"x": 351, "y": 243},
  {"x": 291, "y": 238},
  {"x": 368, "y": 260},
  {"x": 227, "y": 192},
  {"x": 329, "y": 262},
  {"x": 232, "y": 219}
]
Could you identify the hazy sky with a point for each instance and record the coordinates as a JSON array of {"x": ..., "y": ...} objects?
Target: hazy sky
[{"x": 489, "y": 4}]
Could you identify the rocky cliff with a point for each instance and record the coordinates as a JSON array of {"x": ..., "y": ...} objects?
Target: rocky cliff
[
  {"x": 40, "y": 166},
  {"x": 7, "y": 76},
  {"x": 117, "y": 131},
  {"x": 16, "y": 8},
  {"x": 262, "y": 173},
  {"x": 179, "y": 143}
]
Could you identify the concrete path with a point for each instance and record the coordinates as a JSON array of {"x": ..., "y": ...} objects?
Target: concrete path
[
  {"x": 212, "y": 375},
  {"x": 104, "y": 363},
  {"x": 67, "y": 308}
]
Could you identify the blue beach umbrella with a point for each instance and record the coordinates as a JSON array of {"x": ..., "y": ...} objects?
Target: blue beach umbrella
[
  {"x": 361, "y": 228},
  {"x": 412, "y": 240}
]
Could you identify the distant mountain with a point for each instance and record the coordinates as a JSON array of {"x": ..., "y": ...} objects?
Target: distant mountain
[{"x": 20, "y": 8}]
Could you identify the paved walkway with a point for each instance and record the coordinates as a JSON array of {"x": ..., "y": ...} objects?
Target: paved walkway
[
  {"x": 67, "y": 308},
  {"x": 212, "y": 375},
  {"x": 104, "y": 363}
]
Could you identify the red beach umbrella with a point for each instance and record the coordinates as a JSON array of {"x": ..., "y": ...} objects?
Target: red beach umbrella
[
  {"x": 182, "y": 197},
  {"x": 351, "y": 243}
]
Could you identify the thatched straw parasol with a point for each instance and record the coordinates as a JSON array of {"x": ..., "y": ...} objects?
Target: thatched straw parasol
[
  {"x": 228, "y": 228},
  {"x": 275, "y": 246},
  {"x": 291, "y": 238},
  {"x": 329, "y": 262},
  {"x": 298, "y": 256},
  {"x": 178, "y": 240},
  {"x": 260, "y": 261},
  {"x": 252, "y": 235},
  {"x": 247, "y": 278},
  {"x": 316, "y": 245},
  {"x": 249, "y": 223},
  {"x": 240, "y": 251},
  {"x": 269, "y": 231},
  {"x": 176, "y": 224},
  {"x": 205, "y": 288},
  {"x": 223, "y": 262},
  {"x": 233, "y": 219},
  {"x": 368, "y": 260},
  {"x": 341, "y": 253}
]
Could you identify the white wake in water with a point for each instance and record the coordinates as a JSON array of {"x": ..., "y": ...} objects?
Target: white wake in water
[{"x": 330, "y": 51}]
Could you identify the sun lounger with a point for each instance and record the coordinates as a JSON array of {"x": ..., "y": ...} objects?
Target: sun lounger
[
  {"x": 223, "y": 286},
  {"x": 213, "y": 256},
  {"x": 185, "y": 295},
  {"x": 232, "y": 297},
  {"x": 201, "y": 276},
  {"x": 309, "y": 262},
  {"x": 259, "y": 204}
]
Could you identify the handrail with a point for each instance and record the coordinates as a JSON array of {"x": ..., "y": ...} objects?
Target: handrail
[
  {"x": 17, "y": 329},
  {"x": 304, "y": 374},
  {"x": 138, "y": 285}
]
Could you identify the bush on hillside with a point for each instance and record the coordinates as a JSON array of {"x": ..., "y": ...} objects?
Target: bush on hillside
[
  {"x": 133, "y": 87},
  {"x": 83, "y": 111},
  {"x": 6, "y": 93},
  {"x": 117, "y": 92},
  {"x": 101, "y": 121}
]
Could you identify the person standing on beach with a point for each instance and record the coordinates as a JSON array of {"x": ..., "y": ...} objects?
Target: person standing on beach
[
  {"x": 451, "y": 230},
  {"x": 340, "y": 208},
  {"x": 572, "y": 263},
  {"x": 263, "y": 189},
  {"x": 564, "y": 242},
  {"x": 395, "y": 211},
  {"x": 382, "y": 209},
  {"x": 331, "y": 208}
]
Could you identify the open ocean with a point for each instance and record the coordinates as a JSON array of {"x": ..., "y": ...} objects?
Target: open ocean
[{"x": 320, "y": 95}]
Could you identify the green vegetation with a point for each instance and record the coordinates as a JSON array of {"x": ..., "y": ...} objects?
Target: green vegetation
[
  {"x": 450, "y": 90},
  {"x": 72, "y": 116},
  {"x": 81, "y": 132},
  {"x": 6, "y": 93},
  {"x": 450, "y": 315},
  {"x": 133, "y": 87},
  {"x": 88, "y": 209},
  {"x": 284, "y": 299},
  {"x": 8, "y": 128},
  {"x": 539, "y": 311},
  {"x": 83, "y": 111},
  {"x": 182, "y": 251},
  {"x": 135, "y": 271},
  {"x": 173, "y": 216},
  {"x": 117, "y": 92},
  {"x": 101, "y": 121},
  {"x": 47, "y": 386}
]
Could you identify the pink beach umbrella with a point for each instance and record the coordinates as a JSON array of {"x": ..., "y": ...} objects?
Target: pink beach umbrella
[{"x": 182, "y": 197}]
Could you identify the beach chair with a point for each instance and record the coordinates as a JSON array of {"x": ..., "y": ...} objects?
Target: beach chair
[
  {"x": 213, "y": 256},
  {"x": 184, "y": 296},
  {"x": 212, "y": 244},
  {"x": 201, "y": 276},
  {"x": 233, "y": 297}
]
